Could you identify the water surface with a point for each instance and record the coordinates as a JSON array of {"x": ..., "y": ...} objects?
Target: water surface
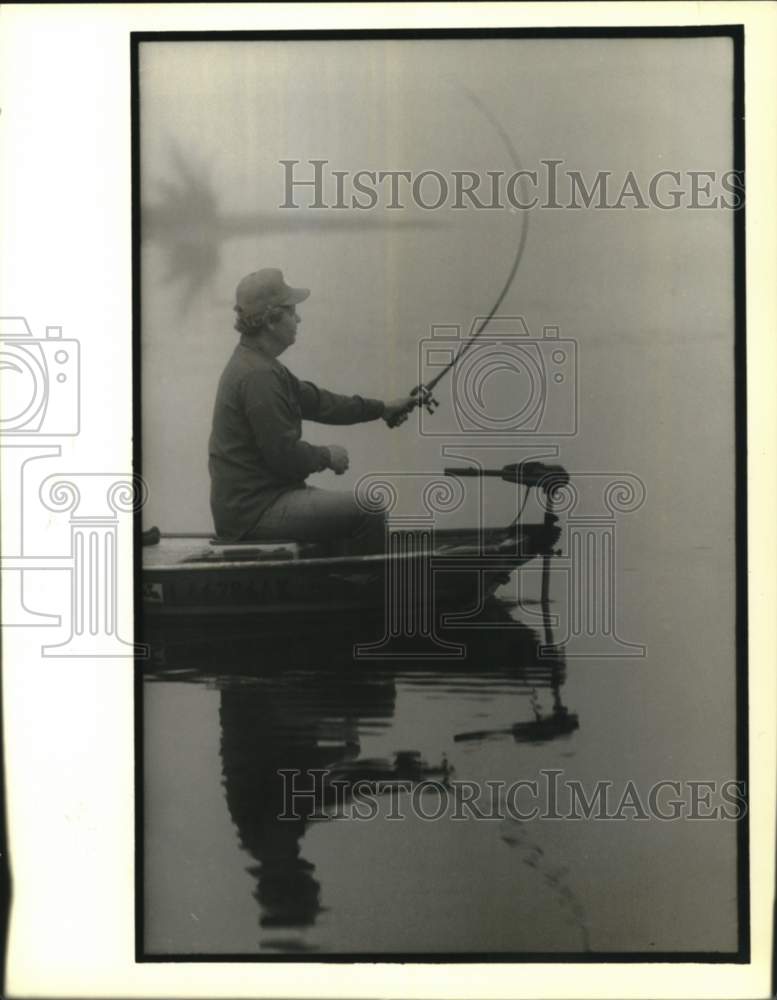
[{"x": 225, "y": 712}]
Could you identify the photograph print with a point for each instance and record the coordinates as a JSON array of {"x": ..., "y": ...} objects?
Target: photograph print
[{"x": 439, "y": 357}]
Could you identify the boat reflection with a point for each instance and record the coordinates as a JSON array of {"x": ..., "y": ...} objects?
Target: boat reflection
[{"x": 301, "y": 703}]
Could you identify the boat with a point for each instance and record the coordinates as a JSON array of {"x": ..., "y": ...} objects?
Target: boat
[{"x": 192, "y": 576}]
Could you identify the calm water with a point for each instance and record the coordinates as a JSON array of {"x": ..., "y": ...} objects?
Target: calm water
[
  {"x": 646, "y": 298},
  {"x": 224, "y": 713}
]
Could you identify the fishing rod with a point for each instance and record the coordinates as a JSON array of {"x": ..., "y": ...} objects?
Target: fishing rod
[{"x": 423, "y": 393}]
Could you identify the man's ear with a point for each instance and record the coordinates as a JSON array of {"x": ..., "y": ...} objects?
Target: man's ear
[{"x": 272, "y": 317}]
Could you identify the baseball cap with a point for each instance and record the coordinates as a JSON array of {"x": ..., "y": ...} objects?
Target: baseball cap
[{"x": 266, "y": 288}]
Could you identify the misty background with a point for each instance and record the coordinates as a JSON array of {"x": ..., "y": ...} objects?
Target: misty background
[{"x": 646, "y": 295}]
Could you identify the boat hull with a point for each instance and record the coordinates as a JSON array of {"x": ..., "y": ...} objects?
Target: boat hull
[{"x": 464, "y": 569}]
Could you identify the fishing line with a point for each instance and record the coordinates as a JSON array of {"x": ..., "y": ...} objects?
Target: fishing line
[{"x": 523, "y": 507}]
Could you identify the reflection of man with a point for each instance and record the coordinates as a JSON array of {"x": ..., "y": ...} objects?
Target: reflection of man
[
  {"x": 303, "y": 728},
  {"x": 257, "y": 459}
]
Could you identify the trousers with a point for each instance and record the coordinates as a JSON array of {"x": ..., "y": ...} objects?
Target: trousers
[{"x": 310, "y": 514}]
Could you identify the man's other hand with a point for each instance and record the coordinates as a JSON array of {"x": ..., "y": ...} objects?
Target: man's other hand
[
  {"x": 396, "y": 410},
  {"x": 338, "y": 459}
]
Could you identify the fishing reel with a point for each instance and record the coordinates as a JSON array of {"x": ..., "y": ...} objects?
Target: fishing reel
[{"x": 424, "y": 398}]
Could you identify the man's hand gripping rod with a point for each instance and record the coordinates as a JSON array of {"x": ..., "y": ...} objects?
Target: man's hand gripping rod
[{"x": 423, "y": 397}]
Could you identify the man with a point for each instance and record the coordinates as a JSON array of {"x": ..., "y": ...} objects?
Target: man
[{"x": 258, "y": 461}]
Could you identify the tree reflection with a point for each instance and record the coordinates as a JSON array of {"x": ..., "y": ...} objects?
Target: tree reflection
[{"x": 187, "y": 220}]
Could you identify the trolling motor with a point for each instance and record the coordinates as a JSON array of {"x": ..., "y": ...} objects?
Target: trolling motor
[{"x": 547, "y": 478}]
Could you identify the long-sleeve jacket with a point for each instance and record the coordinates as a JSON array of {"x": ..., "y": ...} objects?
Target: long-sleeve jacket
[{"x": 256, "y": 451}]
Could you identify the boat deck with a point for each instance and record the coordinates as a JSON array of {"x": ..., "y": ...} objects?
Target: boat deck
[{"x": 175, "y": 551}]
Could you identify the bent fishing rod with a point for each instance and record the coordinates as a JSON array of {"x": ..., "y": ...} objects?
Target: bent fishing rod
[{"x": 423, "y": 393}]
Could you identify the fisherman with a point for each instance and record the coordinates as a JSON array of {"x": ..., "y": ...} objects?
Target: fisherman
[{"x": 258, "y": 461}]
